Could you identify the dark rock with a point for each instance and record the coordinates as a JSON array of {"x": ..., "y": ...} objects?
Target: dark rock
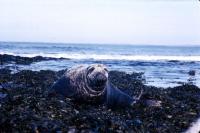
[
  {"x": 192, "y": 72},
  {"x": 5, "y": 71},
  {"x": 5, "y": 58}
]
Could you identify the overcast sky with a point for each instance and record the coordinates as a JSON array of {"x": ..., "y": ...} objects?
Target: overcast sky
[{"x": 166, "y": 22}]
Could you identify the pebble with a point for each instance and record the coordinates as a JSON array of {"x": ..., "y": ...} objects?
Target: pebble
[
  {"x": 135, "y": 122},
  {"x": 72, "y": 130},
  {"x": 2, "y": 96}
]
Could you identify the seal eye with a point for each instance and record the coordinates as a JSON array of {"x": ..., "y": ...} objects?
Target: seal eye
[
  {"x": 90, "y": 69},
  {"x": 106, "y": 69}
]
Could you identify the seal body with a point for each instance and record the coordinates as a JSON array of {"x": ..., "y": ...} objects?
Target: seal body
[{"x": 91, "y": 84}]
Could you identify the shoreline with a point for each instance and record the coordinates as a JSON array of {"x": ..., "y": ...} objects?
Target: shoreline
[
  {"x": 182, "y": 72},
  {"x": 26, "y": 107}
]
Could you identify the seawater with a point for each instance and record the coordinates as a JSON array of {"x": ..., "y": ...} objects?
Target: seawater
[{"x": 163, "y": 66}]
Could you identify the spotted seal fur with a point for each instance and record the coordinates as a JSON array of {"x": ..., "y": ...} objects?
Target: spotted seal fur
[{"x": 91, "y": 84}]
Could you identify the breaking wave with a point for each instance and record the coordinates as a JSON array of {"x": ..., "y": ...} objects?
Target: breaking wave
[{"x": 111, "y": 57}]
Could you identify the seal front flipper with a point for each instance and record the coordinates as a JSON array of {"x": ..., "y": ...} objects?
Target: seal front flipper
[
  {"x": 116, "y": 98},
  {"x": 62, "y": 87}
]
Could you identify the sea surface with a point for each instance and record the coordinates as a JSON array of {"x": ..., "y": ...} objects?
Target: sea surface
[{"x": 163, "y": 66}]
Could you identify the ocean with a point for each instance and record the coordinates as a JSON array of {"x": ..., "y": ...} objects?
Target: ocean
[{"x": 163, "y": 66}]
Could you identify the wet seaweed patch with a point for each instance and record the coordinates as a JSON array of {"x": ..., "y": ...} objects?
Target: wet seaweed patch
[{"x": 27, "y": 108}]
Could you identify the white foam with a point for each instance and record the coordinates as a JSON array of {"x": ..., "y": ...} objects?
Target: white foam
[
  {"x": 195, "y": 128},
  {"x": 111, "y": 57}
]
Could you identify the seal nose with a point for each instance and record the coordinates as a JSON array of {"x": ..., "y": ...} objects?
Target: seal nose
[{"x": 101, "y": 78}]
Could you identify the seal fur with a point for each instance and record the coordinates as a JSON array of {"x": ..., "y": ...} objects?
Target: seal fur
[{"x": 91, "y": 84}]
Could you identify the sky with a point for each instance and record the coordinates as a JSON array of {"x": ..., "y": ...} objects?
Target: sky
[{"x": 163, "y": 22}]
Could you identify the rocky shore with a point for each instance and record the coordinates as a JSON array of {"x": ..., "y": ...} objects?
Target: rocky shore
[
  {"x": 24, "y": 106},
  {"x": 4, "y": 58}
]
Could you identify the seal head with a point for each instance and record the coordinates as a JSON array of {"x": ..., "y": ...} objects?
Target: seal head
[
  {"x": 88, "y": 82},
  {"x": 97, "y": 76}
]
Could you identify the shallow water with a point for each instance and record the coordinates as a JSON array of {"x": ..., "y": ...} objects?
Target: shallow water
[{"x": 163, "y": 66}]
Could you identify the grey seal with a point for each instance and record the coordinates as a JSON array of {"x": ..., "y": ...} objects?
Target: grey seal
[{"x": 91, "y": 84}]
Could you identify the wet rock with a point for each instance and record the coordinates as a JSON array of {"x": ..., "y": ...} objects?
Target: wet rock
[
  {"x": 5, "y": 58},
  {"x": 192, "y": 72},
  {"x": 5, "y": 71}
]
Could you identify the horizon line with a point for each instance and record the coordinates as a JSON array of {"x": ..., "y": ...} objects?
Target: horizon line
[{"x": 90, "y": 43}]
